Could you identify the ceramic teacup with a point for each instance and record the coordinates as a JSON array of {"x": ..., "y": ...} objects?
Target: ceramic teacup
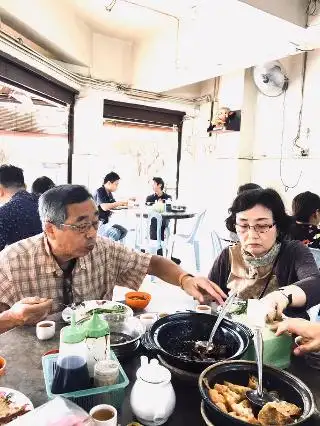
[
  {"x": 104, "y": 415},
  {"x": 203, "y": 309},
  {"x": 45, "y": 329},
  {"x": 148, "y": 320}
]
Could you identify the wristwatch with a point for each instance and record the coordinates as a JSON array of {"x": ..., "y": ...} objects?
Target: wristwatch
[{"x": 288, "y": 296}]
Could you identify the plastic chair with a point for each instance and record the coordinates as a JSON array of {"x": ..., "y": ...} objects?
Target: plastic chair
[
  {"x": 192, "y": 239},
  {"x": 142, "y": 237},
  {"x": 217, "y": 245}
]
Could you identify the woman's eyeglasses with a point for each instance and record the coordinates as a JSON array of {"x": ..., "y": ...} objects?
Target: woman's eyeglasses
[{"x": 260, "y": 229}]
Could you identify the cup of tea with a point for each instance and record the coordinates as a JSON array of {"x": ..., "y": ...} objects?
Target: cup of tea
[
  {"x": 104, "y": 415},
  {"x": 45, "y": 330},
  {"x": 3, "y": 364},
  {"x": 148, "y": 320},
  {"x": 203, "y": 309}
]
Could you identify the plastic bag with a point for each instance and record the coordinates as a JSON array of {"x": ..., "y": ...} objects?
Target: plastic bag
[{"x": 58, "y": 412}]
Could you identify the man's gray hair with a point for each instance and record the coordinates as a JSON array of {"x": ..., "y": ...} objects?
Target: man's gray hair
[{"x": 53, "y": 203}]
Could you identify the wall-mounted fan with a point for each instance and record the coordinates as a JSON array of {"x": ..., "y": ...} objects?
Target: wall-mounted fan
[{"x": 270, "y": 78}]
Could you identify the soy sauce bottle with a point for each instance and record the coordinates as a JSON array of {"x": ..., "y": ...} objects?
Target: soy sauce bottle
[{"x": 71, "y": 370}]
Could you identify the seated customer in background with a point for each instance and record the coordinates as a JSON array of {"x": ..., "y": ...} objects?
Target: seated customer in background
[
  {"x": 159, "y": 194},
  {"x": 106, "y": 202},
  {"x": 306, "y": 213},
  {"x": 19, "y": 217},
  {"x": 69, "y": 263},
  {"x": 264, "y": 264},
  {"x": 41, "y": 185}
]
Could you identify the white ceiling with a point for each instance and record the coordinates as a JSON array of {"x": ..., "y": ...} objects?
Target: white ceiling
[{"x": 131, "y": 20}]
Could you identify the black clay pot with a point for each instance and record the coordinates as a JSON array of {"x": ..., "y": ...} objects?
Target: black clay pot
[
  {"x": 289, "y": 387},
  {"x": 169, "y": 336}
]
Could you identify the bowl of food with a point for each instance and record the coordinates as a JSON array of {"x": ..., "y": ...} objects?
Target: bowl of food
[
  {"x": 176, "y": 338},
  {"x": 125, "y": 336},
  {"x": 138, "y": 299},
  {"x": 108, "y": 309},
  {"x": 223, "y": 388}
]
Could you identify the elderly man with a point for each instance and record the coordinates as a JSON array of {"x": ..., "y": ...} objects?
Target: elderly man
[{"x": 69, "y": 263}]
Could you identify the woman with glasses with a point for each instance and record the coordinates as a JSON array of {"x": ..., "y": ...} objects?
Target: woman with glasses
[{"x": 265, "y": 264}]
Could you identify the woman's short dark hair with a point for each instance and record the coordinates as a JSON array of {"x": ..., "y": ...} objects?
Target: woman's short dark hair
[
  {"x": 268, "y": 198},
  {"x": 304, "y": 205},
  {"x": 41, "y": 185}
]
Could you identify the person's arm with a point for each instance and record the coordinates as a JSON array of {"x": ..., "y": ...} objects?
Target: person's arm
[
  {"x": 29, "y": 310},
  {"x": 220, "y": 270},
  {"x": 309, "y": 334},
  {"x": 168, "y": 271},
  {"x": 8, "y": 321},
  {"x": 105, "y": 204},
  {"x": 110, "y": 206},
  {"x": 303, "y": 293}
]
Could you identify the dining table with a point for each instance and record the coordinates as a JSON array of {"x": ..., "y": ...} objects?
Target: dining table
[{"x": 23, "y": 352}]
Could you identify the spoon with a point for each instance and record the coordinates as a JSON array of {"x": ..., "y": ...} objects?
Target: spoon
[
  {"x": 259, "y": 397},
  {"x": 208, "y": 345}
]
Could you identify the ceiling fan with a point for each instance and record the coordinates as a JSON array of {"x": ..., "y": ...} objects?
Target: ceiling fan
[{"x": 270, "y": 78}]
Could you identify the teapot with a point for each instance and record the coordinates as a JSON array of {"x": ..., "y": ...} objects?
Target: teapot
[{"x": 152, "y": 397}]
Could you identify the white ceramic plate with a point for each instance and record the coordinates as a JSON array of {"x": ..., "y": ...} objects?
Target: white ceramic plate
[
  {"x": 17, "y": 398},
  {"x": 83, "y": 309}
]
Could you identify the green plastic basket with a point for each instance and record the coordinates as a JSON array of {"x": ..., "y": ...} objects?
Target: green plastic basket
[{"x": 88, "y": 398}]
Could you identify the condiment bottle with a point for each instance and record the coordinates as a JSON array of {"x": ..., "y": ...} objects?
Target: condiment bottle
[
  {"x": 96, "y": 331},
  {"x": 71, "y": 371}
]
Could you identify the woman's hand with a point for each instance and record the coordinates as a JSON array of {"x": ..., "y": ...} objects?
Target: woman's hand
[
  {"x": 198, "y": 287},
  {"x": 308, "y": 332},
  {"x": 275, "y": 303},
  {"x": 31, "y": 310}
]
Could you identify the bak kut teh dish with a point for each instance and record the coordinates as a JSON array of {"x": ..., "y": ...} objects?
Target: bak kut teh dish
[
  {"x": 231, "y": 399},
  {"x": 224, "y": 389}
]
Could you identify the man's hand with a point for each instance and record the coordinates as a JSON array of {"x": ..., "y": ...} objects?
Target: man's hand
[
  {"x": 308, "y": 332},
  {"x": 200, "y": 286},
  {"x": 275, "y": 303},
  {"x": 31, "y": 310}
]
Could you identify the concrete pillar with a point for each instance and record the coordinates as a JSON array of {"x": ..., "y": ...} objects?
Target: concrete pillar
[{"x": 88, "y": 126}]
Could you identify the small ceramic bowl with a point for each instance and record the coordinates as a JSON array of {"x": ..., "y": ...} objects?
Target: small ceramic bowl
[
  {"x": 3, "y": 364},
  {"x": 137, "y": 299}
]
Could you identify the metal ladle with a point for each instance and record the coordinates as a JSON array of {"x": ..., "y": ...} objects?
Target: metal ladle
[
  {"x": 259, "y": 397},
  {"x": 208, "y": 345}
]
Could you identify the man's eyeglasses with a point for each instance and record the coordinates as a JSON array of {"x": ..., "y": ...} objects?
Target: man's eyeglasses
[
  {"x": 260, "y": 229},
  {"x": 83, "y": 227}
]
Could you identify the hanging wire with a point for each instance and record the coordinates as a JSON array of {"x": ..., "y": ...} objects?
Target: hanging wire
[
  {"x": 110, "y": 6},
  {"x": 304, "y": 67},
  {"x": 286, "y": 187},
  {"x": 312, "y": 7}
]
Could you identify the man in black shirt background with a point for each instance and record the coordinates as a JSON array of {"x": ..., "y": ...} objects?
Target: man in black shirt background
[
  {"x": 159, "y": 194},
  {"x": 19, "y": 217},
  {"x": 105, "y": 202}
]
